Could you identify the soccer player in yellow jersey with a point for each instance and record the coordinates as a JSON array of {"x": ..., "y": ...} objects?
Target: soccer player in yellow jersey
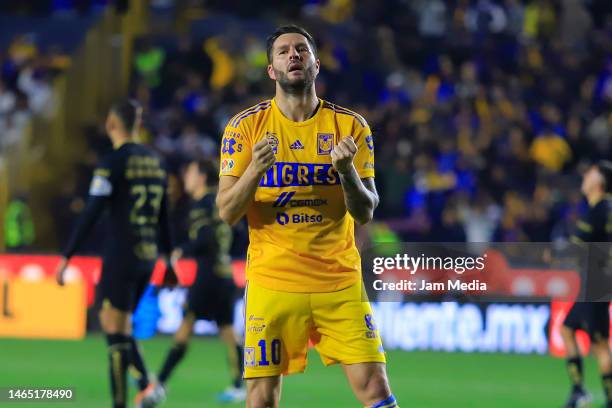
[{"x": 302, "y": 170}]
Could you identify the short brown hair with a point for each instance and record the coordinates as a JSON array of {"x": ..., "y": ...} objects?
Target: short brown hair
[{"x": 287, "y": 29}]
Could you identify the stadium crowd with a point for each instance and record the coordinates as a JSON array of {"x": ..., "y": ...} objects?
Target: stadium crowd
[
  {"x": 26, "y": 85},
  {"x": 484, "y": 113}
]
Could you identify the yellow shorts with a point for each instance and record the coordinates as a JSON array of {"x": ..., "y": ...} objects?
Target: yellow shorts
[{"x": 280, "y": 324}]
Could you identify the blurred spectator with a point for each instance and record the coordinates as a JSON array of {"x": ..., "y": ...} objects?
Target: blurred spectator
[
  {"x": 480, "y": 219},
  {"x": 223, "y": 67},
  {"x": 18, "y": 225},
  {"x": 148, "y": 63},
  {"x": 574, "y": 23},
  {"x": 550, "y": 151},
  {"x": 37, "y": 87},
  {"x": 26, "y": 85},
  {"x": 194, "y": 145},
  {"x": 7, "y": 99}
]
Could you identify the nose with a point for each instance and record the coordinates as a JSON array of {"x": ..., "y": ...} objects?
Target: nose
[{"x": 293, "y": 53}]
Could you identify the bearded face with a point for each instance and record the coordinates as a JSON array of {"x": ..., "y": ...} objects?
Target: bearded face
[{"x": 294, "y": 66}]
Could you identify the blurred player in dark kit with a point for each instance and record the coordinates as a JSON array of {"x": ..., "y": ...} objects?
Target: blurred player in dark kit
[
  {"x": 593, "y": 317},
  {"x": 131, "y": 183},
  {"x": 212, "y": 295}
]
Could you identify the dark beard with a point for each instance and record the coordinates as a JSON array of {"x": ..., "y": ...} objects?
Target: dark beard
[{"x": 296, "y": 86}]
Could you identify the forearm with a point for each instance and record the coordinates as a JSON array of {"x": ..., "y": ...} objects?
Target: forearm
[
  {"x": 90, "y": 214},
  {"x": 165, "y": 231},
  {"x": 360, "y": 202},
  {"x": 234, "y": 201}
]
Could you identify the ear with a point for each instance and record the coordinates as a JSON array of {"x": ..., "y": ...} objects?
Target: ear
[
  {"x": 138, "y": 121},
  {"x": 271, "y": 73},
  {"x": 110, "y": 124},
  {"x": 318, "y": 64}
]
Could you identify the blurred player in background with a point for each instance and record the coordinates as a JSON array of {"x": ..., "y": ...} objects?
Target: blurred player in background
[
  {"x": 131, "y": 183},
  {"x": 302, "y": 170},
  {"x": 212, "y": 295},
  {"x": 593, "y": 317}
]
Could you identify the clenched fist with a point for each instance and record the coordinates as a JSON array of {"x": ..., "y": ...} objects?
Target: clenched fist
[
  {"x": 263, "y": 156},
  {"x": 342, "y": 155}
]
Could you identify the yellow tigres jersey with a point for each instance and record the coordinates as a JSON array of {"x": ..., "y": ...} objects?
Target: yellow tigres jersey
[{"x": 301, "y": 234}]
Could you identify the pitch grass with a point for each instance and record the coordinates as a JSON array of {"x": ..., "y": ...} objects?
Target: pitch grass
[{"x": 419, "y": 379}]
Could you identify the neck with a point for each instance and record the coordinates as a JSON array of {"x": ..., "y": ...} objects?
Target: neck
[
  {"x": 119, "y": 139},
  {"x": 297, "y": 107},
  {"x": 199, "y": 193},
  {"x": 594, "y": 197}
]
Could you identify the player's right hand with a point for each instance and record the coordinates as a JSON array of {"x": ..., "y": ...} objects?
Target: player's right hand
[
  {"x": 170, "y": 279},
  {"x": 177, "y": 254},
  {"x": 263, "y": 156},
  {"x": 60, "y": 270}
]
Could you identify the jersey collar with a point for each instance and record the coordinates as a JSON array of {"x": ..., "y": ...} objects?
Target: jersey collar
[{"x": 292, "y": 123}]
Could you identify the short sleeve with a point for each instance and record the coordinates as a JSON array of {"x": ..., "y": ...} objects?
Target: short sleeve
[
  {"x": 235, "y": 150},
  {"x": 364, "y": 159},
  {"x": 583, "y": 231},
  {"x": 102, "y": 181}
]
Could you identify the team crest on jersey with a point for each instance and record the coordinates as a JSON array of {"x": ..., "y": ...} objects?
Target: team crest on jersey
[
  {"x": 273, "y": 141},
  {"x": 227, "y": 165},
  {"x": 325, "y": 143},
  {"x": 249, "y": 356}
]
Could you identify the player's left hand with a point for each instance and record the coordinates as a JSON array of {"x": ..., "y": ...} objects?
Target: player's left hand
[
  {"x": 342, "y": 155},
  {"x": 60, "y": 270}
]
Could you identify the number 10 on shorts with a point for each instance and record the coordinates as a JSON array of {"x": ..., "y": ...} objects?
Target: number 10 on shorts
[{"x": 274, "y": 353}]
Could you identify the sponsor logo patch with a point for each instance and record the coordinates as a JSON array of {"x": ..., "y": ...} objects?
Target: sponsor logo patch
[
  {"x": 300, "y": 218},
  {"x": 100, "y": 187},
  {"x": 285, "y": 199},
  {"x": 227, "y": 165},
  {"x": 229, "y": 146},
  {"x": 256, "y": 328}
]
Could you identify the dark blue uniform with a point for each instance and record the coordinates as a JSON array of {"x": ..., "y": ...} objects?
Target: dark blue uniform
[
  {"x": 131, "y": 183},
  {"x": 593, "y": 231},
  {"x": 213, "y": 292}
]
